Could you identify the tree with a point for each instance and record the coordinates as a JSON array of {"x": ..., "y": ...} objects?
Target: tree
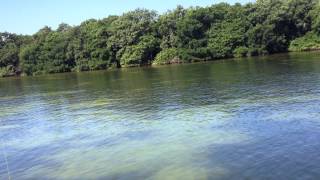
[
  {"x": 90, "y": 48},
  {"x": 142, "y": 53},
  {"x": 9, "y": 59},
  {"x": 142, "y": 37},
  {"x": 315, "y": 17},
  {"x": 127, "y": 31}
]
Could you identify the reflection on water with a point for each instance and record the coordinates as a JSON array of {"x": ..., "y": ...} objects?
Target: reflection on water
[{"x": 244, "y": 119}]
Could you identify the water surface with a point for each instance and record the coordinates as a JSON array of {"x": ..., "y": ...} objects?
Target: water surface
[{"x": 255, "y": 118}]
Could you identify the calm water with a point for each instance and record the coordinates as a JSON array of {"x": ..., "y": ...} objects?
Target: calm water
[{"x": 246, "y": 119}]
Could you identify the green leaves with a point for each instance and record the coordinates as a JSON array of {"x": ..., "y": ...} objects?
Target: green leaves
[
  {"x": 9, "y": 55},
  {"x": 142, "y": 53},
  {"x": 142, "y": 37},
  {"x": 311, "y": 41},
  {"x": 315, "y": 18},
  {"x": 167, "y": 56},
  {"x": 225, "y": 36},
  {"x": 127, "y": 43}
]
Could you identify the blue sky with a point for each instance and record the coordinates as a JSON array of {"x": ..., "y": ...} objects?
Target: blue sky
[{"x": 28, "y": 16}]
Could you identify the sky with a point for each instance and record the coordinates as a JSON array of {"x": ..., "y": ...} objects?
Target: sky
[{"x": 28, "y": 16}]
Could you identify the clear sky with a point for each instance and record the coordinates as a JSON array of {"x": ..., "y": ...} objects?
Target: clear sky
[{"x": 28, "y": 16}]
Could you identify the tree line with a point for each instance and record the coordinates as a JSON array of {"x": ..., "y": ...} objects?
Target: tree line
[{"x": 143, "y": 37}]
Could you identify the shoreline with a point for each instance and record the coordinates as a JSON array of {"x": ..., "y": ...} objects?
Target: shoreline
[{"x": 168, "y": 64}]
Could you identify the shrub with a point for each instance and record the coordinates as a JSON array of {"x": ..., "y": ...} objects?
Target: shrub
[
  {"x": 7, "y": 71},
  {"x": 240, "y": 52},
  {"x": 311, "y": 41},
  {"x": 167, "y": 56}
]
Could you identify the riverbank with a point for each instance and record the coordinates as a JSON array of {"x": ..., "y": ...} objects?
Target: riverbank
[
  {"x": 174, "y": 61},
  {"x": 178, "y": 63}
]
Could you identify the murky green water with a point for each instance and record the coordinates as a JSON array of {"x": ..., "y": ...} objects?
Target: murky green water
[{"x": 247, "y": 119}]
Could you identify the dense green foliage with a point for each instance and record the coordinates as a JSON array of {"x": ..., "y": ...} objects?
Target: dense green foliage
[
  {"x": 310, "y": 41},
  {"x": 167, "y": 56},
  {"x": 142, "y": 37}
]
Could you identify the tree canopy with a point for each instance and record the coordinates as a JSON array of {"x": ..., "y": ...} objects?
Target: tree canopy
[{"x": 143, "y": 37}]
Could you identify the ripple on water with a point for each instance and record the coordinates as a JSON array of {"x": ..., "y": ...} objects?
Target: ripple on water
[{"x": 248, "y": 119}]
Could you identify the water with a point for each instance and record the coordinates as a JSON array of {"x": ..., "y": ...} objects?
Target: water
[{"x": 246, "y": 119}]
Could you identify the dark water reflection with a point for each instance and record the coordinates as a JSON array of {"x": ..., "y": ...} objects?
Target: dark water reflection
[{"x": 245, "y": 119}]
